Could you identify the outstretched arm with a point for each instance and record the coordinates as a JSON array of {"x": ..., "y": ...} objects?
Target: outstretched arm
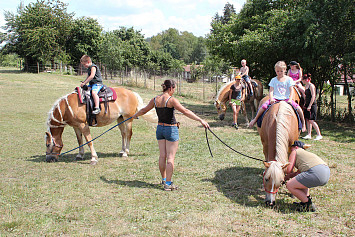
[
  {"x": 144, "y": 110},
  {"x": 188, "y": 113}
]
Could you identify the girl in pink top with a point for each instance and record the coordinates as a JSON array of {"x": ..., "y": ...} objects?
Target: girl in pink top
[{"x": 295, "y": 72}]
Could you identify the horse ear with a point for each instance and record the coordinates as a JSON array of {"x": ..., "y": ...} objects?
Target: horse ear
[
  {"x": 48, "y": 137},
  {"x": 285, "y": 165},
  {"x": 267, "y": 165},
  {"x": 306, "y": 146}
]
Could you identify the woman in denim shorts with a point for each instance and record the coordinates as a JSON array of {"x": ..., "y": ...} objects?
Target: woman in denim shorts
[
  {"x": 311, "y": 172},
  {"x": 167, "y": 132}
]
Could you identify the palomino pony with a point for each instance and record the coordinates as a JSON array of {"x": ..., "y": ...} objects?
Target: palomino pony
[
  {"x": 253, "y": 101},
  {"x": 69, "y": 111},
  {"x": 279, "y": 130}
]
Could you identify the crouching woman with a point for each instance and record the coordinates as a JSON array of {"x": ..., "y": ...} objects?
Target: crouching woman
[{"x": 311, "y": 172}]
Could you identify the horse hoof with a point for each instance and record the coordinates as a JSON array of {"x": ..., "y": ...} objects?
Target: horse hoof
[
  {"x": 94, "y": 162},
  {"x": 79, "y": 158},
  {"x": 123, "y": 154}
]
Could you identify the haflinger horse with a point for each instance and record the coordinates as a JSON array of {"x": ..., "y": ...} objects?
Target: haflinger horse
[
  {"x": 253, "y": 101},
  {"x": 278, "y": 131},
  {"x": 69, "y": 111}
]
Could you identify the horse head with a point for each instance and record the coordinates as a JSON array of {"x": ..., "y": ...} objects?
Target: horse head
[
  {"x": 221, "y": 109},
  {"x": 53, "y": 148},
  {"x": 273, "y": 178}
]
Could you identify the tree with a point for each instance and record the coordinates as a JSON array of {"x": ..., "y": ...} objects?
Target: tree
[
  {"x": 39, "y": 31},
  {"x": 85, "y": 38}
]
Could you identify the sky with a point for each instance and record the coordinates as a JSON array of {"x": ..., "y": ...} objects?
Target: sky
[{"x": 148, "y": 16}]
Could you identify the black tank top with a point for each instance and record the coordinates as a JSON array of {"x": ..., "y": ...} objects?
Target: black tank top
[
  {"x": 308, "y": 97},
  {"x": 165, "y": 114}
]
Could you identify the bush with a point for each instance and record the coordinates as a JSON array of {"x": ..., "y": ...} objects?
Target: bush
[{"x": 9, "y": 60}]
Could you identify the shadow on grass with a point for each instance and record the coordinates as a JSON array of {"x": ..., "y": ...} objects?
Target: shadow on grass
[
  {"x": 243, "y": 185},
  {"x": 68, "y": 158},
  {"x": 343, "y": 133},
  {"x": 14, "y": 71},
  {"x": 132, "y": 183}
]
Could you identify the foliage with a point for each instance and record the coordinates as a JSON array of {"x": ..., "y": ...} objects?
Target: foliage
[
  {"x": 318, "y": 34},
  {"x": 85, "y": 38},
  {"x": 180, "y": 45},
  {"x": 9, "y": 60},
  {"x": 39, "y": 30}
]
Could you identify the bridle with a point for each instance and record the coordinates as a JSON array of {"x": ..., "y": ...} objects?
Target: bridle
[
  {"x": 53, "y": 146},
  {"x": 272, "y": 188}
]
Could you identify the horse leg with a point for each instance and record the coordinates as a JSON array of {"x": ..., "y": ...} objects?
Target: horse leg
[
  {"x": 126, "y": 133},
  {"x": 244, "y": 111},
  {"x": 84, "y": 128},
  {"x": 79, "y": 137}
]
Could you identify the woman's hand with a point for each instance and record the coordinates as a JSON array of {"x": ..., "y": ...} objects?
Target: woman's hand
[{"x": 204, "y": 124}]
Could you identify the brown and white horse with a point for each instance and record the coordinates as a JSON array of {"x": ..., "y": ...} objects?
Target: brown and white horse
[
  {"x": 253, "y": 101},
  {"x": 69, "y": 111},
  {"x": 279, "y": 130}
]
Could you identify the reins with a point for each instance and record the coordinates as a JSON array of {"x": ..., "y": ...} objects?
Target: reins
[
  {"x": 227, "y": 146},
  {"x": 97, "y": 136}
]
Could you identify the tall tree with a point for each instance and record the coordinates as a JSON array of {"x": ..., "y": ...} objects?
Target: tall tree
[{"x": 39, "y": 31}]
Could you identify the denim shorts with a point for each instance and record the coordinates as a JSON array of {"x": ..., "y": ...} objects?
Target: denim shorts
[
  {"x": 315, "y": 176},
  {"x": 96, "y": 87},
  {"x": 170, "y": 133}
]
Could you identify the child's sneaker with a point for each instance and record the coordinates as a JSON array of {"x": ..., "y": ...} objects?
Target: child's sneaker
[
  {"x": 320, "y": 137},
  {"x": 236, "y": 126},
  {"x": 170, "y": 187},
  {"x": 96, "y": 111},
  {"x": 307, "y": 137}
]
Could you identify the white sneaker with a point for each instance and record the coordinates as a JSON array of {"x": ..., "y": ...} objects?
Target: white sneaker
[
  {"x": 307, "y": 137},
  {"x": 320, "y": 137}
]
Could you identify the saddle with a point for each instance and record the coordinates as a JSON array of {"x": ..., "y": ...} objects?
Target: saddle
[
  {"x": 260, "y": 119},
  {"x": 106, "y": 94}
]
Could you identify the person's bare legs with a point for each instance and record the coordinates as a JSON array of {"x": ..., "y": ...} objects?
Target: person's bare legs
[
  {"x": 316, "y": 127},
  {"x": 253, "y": 121},
  {"x": 299, "y": 190},
  {"x": 300, "y": 112},
  {"x": 166, "y": 158},
  {"x": 96, "y": 99}
]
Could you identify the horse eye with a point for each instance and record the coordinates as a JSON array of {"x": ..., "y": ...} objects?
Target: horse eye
[
  {"x": 47, "y": 145},
  {"x": 266, "y": 180}
]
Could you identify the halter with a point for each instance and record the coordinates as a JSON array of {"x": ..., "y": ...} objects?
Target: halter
[
  {"x": 272, "y": 188},
  {"x": 54, "y": 145}
]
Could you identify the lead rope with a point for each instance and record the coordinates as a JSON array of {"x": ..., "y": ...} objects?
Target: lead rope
[
  {"x": 227, "y": 146},
  {"x": 96, "y": 137}
]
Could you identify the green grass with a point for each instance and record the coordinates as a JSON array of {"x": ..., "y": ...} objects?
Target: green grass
[{"x": 219, "y": 196}]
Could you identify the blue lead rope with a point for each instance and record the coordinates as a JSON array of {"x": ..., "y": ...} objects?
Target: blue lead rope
[{"x": 96, "y": 137}]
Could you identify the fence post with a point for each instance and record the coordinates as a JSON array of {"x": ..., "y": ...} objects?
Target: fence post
[{"x": 38, "y": 67}]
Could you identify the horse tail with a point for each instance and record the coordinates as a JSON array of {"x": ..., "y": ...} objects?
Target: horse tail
[
  {"x": 150, "y": 116},
  {"x": 283, "y": 124}
]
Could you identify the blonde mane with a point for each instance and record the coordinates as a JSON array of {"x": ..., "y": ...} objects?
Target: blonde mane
[
  {"x": 56, "y": 105},
  {"x": 275, "y": 172},
  {"x": 282, "y": 131},
  {"x": 222, "y": 89}
]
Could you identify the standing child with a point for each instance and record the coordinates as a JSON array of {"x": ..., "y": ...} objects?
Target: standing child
[
  {"x": 95, "y": 81},
  {"x": 244, "y": 73},
  {"x": 280, "y": 89},
  {"x": 310, "y": 110},
  {"x": 236, "y": 95}
]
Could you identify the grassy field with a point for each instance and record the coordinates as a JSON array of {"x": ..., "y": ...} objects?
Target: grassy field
[{"x": 219, "y": 196}]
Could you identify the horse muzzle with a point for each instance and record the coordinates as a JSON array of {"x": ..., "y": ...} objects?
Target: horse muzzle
[
  {"x": 51, "y": 158},
  {"x": 221, "y": 116},
  {"x": 270, "y": 204}
]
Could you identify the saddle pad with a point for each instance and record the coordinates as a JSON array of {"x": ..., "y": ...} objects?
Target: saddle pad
[{"x": 260, "y": 119}]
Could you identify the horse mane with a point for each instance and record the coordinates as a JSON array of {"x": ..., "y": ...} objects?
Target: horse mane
[
  {"x": 275, "y": 171},
  {"x": 282, "y": 131},
  {"x": 56, "y": 106},
  {"x": 222, "y": 89}
]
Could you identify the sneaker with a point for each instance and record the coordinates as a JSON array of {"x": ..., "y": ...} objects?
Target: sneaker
[
  {"x": 163, "y": 183},
  {"x": 236, "y": 126},
  {"x": 307, "y": 137},
  {"x": 320, "y": 137},
  {"x": 170, "y": 187},
  {"x": 96, "y": 111},
  {"x": 306, "y": 207}
]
